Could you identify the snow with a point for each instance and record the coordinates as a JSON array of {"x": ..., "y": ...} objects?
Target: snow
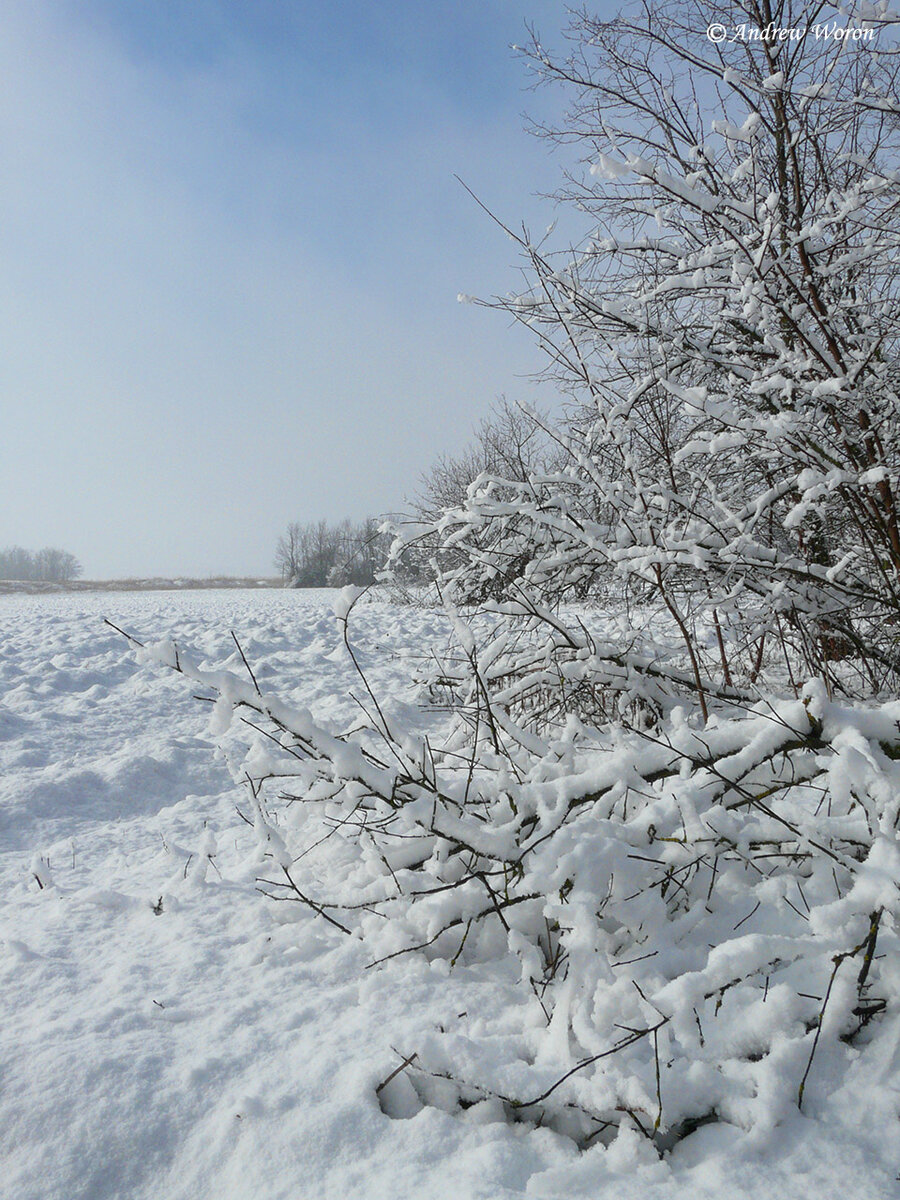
[
  {"x": 346, "y": 598},
  {"x": 170, "y": 1033}
]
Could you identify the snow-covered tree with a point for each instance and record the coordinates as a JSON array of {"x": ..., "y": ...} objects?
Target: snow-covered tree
[
  {"x": 511, "y": 445},
  {"x": 728, "y": 330}
]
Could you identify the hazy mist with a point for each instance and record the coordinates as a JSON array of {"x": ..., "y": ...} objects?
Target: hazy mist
[{"x": 232, "y": 245}]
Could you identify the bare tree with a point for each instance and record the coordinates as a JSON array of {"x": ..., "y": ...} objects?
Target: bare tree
[
  {"x": 56, "y": 565},
  {"x": 287, "y": 552},
  {"x": 510, "y": 443}
]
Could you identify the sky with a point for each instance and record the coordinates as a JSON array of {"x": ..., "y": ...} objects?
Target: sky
[{"x": 232, "y": 242}]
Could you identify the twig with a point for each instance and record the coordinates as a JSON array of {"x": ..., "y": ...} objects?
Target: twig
[
  {"x": 128, "y": 636},
  {"x": 586, "y": 1062},
  {"x": 396, "y": 1071},
  {"x": 312, "y": 904},
  {"x": 867, "y": 944},
  {"x": 246, "y": 664}
]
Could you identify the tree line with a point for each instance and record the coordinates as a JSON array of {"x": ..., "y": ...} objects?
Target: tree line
[{"x": 48, "y": 565}]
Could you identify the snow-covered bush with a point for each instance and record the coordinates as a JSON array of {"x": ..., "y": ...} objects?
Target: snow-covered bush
[
  {"x": 662, "y": 826},
  {"x": 677, "y": 926}
]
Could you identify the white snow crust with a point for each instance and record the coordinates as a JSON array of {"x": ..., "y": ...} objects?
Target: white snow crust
[{"x": 169, "y": 1033}]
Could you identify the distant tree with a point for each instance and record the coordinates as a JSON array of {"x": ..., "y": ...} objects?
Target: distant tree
[
  {"x": 362, "y": 552},
  {"x": 287, "y": 552},
  {"x": 49, "y": 565},
  {"x": 57, "y": 566},
  {"x": 16, "y": 563}
]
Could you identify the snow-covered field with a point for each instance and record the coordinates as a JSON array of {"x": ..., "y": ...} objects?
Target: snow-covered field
[{"x": 169, "y": 1033}]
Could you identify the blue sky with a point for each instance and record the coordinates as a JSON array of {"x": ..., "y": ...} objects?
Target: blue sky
[{"x": 232, "y": 244}]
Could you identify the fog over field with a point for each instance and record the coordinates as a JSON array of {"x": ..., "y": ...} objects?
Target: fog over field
[{"x": 233, "y": 242}]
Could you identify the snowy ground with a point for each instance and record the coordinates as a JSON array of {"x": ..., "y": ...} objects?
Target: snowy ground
[{"x": 170, "y": 1034}]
